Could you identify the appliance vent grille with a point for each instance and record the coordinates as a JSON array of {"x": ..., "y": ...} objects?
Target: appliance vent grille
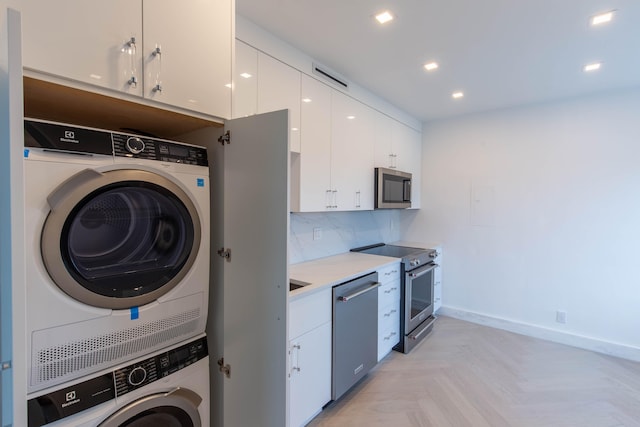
[
  {"x": 72, "y": 359},
  {"x": 331, "y": 76}
]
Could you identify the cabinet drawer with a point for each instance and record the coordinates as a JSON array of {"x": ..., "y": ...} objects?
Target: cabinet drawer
[
  {"x": 388, "y": 335},
  {"x": 389, "y": 293},
  {"x": 309, "y": 312},
  {"x": 389, "y": 273}
]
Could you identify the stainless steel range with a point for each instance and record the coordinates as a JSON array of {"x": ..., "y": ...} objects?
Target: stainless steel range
[{"x": 417, "y": 280}]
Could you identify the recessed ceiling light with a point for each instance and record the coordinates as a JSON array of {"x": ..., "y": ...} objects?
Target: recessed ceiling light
[
  {"x": 456, "y": 95},
  {"x": 592, "y": 67},
  {"x": 351, "y": 117},
  {"x": 602, "y": 18},
  {"x": 228, "y": 85},
  {"x": 307, "y": 100},
  {"x": 245, "y": 75},
  {"x": 384, "y": 17},
  {"x": 431, "y": 66}
]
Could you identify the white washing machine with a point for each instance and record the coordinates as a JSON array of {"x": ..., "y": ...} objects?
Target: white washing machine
[
  {"x": 166, "y": 389},
  {"x": 118, "y": 248}
]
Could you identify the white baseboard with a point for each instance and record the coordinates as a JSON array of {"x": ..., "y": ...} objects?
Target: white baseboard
[{"x": 604, "y": 347}]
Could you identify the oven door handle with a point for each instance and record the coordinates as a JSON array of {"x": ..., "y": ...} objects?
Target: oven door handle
[
  {"x": 349, "y": 297},
  {"x": 422, "y": 272}
]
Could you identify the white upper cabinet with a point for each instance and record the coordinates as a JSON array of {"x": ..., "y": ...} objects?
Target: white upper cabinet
[
  {"x": 352, "y": 142},
  {"x": 279, "y": 89},
  {"x": 187, "y": 54},
  {"x": 176, "y": 53},
  {"x": 398, "y": 146},
  {"x": 97, "y": 42},
  {"x": 245, "y": 81},
  {"x": 312, "y": 176},
  {"x": 407, "y": 145},
  {"x": 334, "y": 170}
]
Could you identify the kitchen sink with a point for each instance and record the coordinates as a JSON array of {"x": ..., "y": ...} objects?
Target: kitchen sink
[{"x": 296, "y": 284}]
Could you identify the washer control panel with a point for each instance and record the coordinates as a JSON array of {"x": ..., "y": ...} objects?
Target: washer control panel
[
  {"x": 75, "y": 398},
  {"x": 159, "y": 366}
]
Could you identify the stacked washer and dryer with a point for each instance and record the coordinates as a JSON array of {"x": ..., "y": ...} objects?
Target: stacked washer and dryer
[{"x": 117, "y": 278}]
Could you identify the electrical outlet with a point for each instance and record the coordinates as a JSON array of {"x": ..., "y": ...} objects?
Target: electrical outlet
[
  {"x": 317, "y": 233},
  {"x": 561, "y": 316}
]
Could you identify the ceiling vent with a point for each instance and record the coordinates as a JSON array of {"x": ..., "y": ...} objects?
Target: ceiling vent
[{"x": 330, "y": 76}]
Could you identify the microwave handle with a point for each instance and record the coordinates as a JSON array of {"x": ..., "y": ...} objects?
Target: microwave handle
[{"x": 406, "y": 193}]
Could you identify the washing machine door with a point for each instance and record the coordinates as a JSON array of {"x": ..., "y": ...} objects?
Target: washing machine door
[
  {"x": 119, "y": 238},
  {"x": 178, "y": 408}
]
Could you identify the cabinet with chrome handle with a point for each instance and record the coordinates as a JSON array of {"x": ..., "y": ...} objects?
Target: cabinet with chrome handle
[{"x": 388, "y": 309}]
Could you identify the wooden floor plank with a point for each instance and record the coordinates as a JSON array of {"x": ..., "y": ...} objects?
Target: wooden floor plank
[{"x": 465, "y": 374}]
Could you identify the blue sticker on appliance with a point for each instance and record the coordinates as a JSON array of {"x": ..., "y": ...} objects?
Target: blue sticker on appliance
[
  {"x": 135, "y": 313},
  {"x": 200, "y": 182}
]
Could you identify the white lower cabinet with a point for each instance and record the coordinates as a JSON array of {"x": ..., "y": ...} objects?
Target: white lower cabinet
[
  {"x": 309, "y": 356},
  {"x": 388, "y": 309}
]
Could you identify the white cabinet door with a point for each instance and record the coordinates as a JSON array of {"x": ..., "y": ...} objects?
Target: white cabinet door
[
  {"x": 245, "y": 81},
  {"x": 407, "y": 150},
  {"x": 383, "y": 150},
  {"x": 194, "y": 64},
  {"x": 313, "y": 170},
  {"x": 310, "y": 378},
  {"x": 254, "y": 226},
  {"x": 85, "y": 40},
  {"x": 388, "y": 309},
  {"x": 279, "y": 89},
  {"x": 352, "y": 142},
  {"x": 107, "y": 43},
  {"x": 12, "y": 264}
]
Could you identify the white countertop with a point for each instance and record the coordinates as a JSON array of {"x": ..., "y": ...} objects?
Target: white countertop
[{"x": 329, "y": 271}]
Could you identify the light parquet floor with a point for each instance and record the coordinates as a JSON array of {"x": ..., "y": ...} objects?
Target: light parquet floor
[{"x": 465, "y": 374}]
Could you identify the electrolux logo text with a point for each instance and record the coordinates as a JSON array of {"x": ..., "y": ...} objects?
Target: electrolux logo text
[
  {"x": 70, "y": 398},
  {"x": 69, "y": 136}
]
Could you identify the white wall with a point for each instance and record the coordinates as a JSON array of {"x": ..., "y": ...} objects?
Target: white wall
[{"x": 538, "y": 210}]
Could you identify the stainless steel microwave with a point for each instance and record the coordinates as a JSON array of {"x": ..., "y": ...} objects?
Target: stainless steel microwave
[{"x": 392, "y": 189}]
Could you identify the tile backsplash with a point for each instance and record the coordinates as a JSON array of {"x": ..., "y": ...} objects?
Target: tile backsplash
[{"x": 339, "y": 232}]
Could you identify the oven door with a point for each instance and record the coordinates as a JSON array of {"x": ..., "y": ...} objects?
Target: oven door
[{"x": 418, "y": 296}]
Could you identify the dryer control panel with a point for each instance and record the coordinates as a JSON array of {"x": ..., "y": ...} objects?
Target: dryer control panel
[
  {"x": 72, "y": 399},
  {"x": 159, "y": 366},
  {"x": 143, "y": 147}
]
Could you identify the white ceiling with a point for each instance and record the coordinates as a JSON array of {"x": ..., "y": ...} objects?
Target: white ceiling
[{"x": 500, "y": 53}]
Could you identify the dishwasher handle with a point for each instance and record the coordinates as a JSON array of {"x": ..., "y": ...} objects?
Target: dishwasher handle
[{"x": 349, "y": 297}]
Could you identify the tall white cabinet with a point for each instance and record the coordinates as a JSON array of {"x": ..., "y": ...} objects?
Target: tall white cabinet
[
  {"x": 312, "y": 187},
  {"x": 135, "y": 47},
  {"x": 263, "y": 84},
  {"x": 352, "y": 136}
]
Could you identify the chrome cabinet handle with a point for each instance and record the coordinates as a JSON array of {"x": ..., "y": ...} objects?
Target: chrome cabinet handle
[
  {"x": 130, "y": 48},
  {"x": 157, "y": 53}
]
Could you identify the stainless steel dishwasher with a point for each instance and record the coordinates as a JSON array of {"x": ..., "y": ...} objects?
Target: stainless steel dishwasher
[{"x": 355, "y": 332}]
